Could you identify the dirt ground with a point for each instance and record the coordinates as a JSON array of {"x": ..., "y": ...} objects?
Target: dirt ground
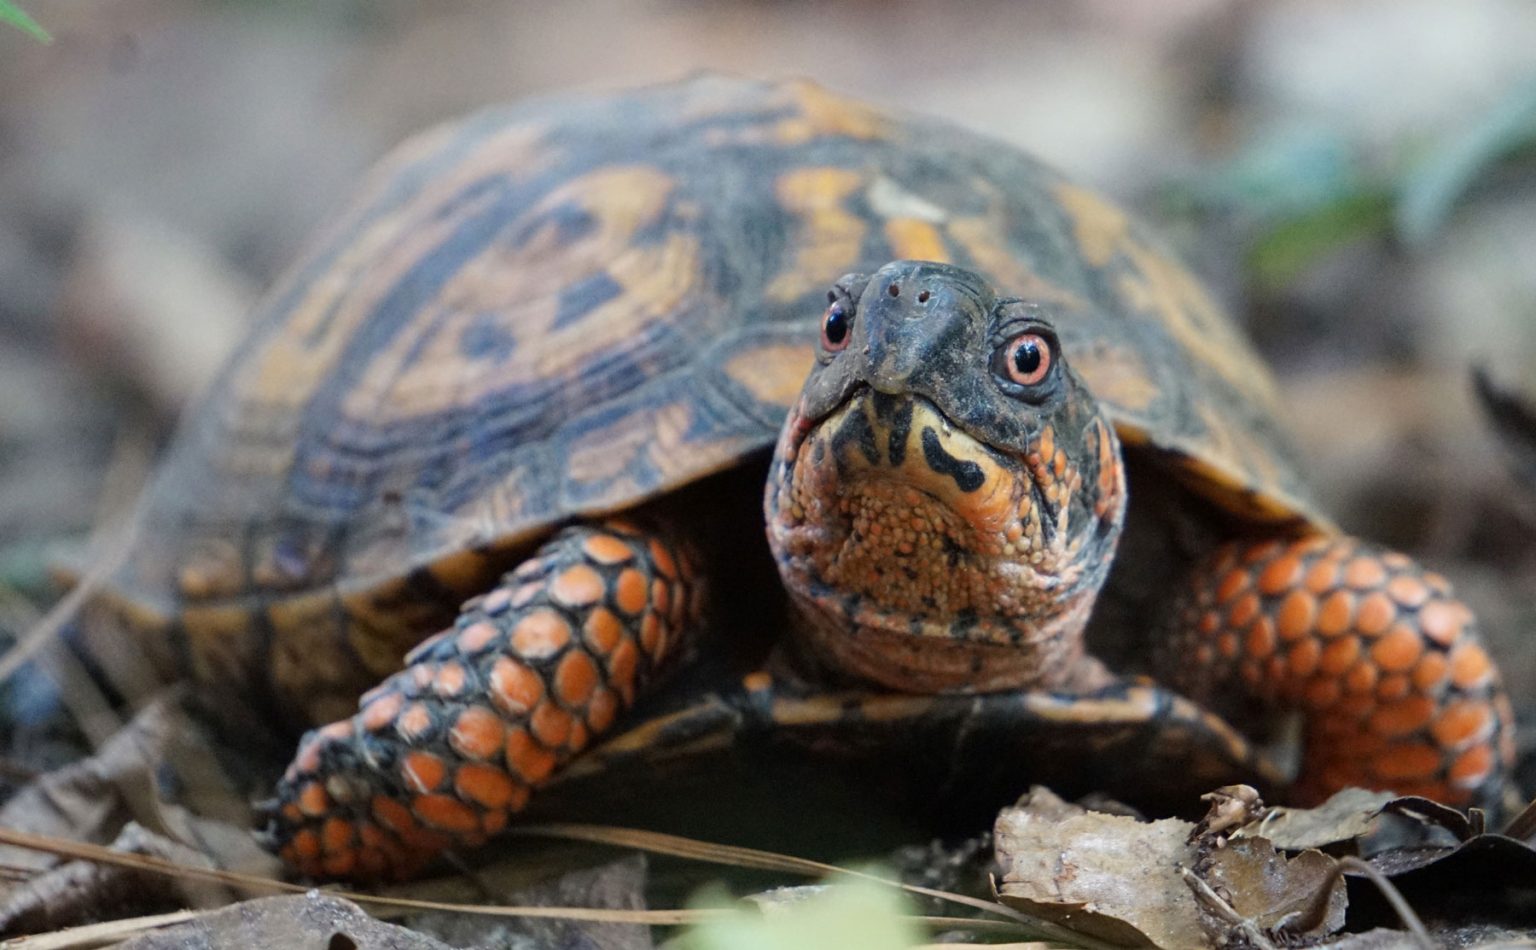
[{"x": 1353, "y": 176}]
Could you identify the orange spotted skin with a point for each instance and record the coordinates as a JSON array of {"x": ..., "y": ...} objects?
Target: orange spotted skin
[
  {"x": 440, "y": 754},
  {"x": 1380, "y": 657}
]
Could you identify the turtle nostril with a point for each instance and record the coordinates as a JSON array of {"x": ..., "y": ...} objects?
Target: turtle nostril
[
  {"x": 923, "y": 297},
  {"x": 893, "y": 290}
]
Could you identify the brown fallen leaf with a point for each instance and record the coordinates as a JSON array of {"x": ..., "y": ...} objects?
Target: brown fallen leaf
[
  {"x": 156, "y": 776},
  {"x": 1486, "y": 878},
  {"x": 1444, "y": 863},
  {"x": 93, "y": 799},
  {"x": 1111, "y": 877},
  {"x": 618, "y": 885},
  {"x": 1345, "y": 816},
  {"x": 80, "y": 892},
  {"x": 282, "y": 923},
  {"x": 1297, "y": 897},
  {"x": 1124, "y": 881}
]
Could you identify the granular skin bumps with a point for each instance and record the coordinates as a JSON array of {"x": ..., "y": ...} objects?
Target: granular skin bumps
[
  {"x": 1383, "y": 661},
  {"x": 445, "y": 750}
]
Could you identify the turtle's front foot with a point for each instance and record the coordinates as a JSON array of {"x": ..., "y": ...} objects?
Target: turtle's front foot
[
  {"x": 441, "y": 753},
  {"x": 1376, "y": 652}
]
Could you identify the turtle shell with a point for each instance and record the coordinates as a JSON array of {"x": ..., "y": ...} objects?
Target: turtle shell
[{"x": 570, "y": 306}]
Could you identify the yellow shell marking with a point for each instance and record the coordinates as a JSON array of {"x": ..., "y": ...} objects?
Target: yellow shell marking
[
  {"x": 281, "y": 377},
  {"x": 985, "y": 238},
  {"x": 830, "y": 235},
  {"x": 915, "y": 240},
  {"x": 301, "y": 358},
  {"x": 824, "y": 113},
  {"x": 1117, "y": 375},
  {"x": 220, "y": 643},
  {"x": 1157, "y": 284},
  {"x": 772, "y": 373},
  {"x": 516, "y": 290}
]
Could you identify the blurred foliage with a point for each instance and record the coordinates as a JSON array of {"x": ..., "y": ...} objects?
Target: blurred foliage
[
  {"x": 359, "y": 15},
  {"x": 17, "y": 17},
  {"x": 851, "y": 914},
  {"x": 1285, "y": 250},
  {"x": 1431, "y": 190},
  {"x": 24, "y": 568},
  {"x": 1302, "y": 193}
]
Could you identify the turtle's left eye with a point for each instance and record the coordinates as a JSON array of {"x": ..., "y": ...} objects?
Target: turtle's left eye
[
  {"x": 1026, "y": 359},
  {"x": 835, "y": 326}
]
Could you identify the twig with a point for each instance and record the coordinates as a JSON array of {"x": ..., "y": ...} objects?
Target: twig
[{"x": 1393, "y": 895}]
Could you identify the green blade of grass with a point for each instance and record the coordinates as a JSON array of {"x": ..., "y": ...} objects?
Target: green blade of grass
[{"x": 17, "y": 17}]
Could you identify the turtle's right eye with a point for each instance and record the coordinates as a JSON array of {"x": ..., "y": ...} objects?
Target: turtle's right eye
[{"x": 835, "y": 326}]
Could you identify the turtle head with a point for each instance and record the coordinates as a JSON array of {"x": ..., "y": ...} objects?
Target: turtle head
[{"x": 945, "y": 498}]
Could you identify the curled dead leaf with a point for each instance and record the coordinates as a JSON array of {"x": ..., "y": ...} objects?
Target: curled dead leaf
[
  {"x": 1345, "y": 816},
  {"x": 1123, "y": 881}
]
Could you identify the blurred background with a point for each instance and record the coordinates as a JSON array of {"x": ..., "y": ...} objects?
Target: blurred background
[{"x": 1355, "y": 177}]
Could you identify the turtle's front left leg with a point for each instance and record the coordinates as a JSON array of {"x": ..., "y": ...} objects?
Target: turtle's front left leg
[
  {"x": 440, "y": 754},
  {"x": 1380, "y": 657}
]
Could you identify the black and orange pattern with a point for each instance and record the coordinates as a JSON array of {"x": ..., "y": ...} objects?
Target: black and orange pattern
[
  {"x": 941, "y": 525},
  {"x": 1379, "y": 655},
  {"x": 440, "y": 754}
]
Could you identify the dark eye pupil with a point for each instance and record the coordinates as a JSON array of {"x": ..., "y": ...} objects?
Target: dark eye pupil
[
  {"x": 1026, "y": 357},
  {"x": 837, "y": 324}
]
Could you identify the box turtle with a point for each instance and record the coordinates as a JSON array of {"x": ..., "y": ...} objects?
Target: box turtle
[{"x": 492, "y": 460}]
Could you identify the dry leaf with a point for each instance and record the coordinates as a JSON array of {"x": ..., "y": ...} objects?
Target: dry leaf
[
  {"x": 1345, "y": 816},
  {"x": 93, "y": 799},
  {"x": 80, "y": 892},
  {"x": 1123, "y": 880},
  {"x": 618, "y": 884},
  {"x": 1278, "y": 894},
  {"x": 157, "y": 776},
  {"x": 1108, "y": 876},
  {"x": 283, "y": 923}
]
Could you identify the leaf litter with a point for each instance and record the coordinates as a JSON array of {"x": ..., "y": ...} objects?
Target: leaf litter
[
  {"x": 1246, "y": 875},
  {"x": 1363, "y": 869}
]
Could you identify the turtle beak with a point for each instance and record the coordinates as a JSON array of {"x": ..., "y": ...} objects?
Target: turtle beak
[{"x": 914, "y": 348}]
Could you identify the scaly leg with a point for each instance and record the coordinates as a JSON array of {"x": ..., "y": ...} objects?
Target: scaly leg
[
  {"x": 441, "y": 753},
  {"x": 1382, "y": 660}
]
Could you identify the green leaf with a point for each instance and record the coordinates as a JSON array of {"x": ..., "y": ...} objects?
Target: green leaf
[
  {"x": 846, "y": 915},
  {"x": 15, "y": 16}
]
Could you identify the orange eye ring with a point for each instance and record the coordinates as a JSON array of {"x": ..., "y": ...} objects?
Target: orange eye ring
[
  {"x": 836, "y": 327},
  {"x": 1027, "y": 359}
]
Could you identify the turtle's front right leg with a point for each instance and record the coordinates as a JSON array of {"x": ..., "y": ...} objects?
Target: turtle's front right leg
[
  {"x": 1382, "y": 660},
  {"x": 440, "y": 754}
]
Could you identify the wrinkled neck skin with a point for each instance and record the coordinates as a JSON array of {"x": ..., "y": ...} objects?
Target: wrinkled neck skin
[
  {"x": 946, "y": 497},
  {"x": 920, "y": 558}
]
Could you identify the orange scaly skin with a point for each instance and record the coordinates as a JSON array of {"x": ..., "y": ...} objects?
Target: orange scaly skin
[
  {"x": 1383, "y": 661},
  {"x": 441, "y": 753}
]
